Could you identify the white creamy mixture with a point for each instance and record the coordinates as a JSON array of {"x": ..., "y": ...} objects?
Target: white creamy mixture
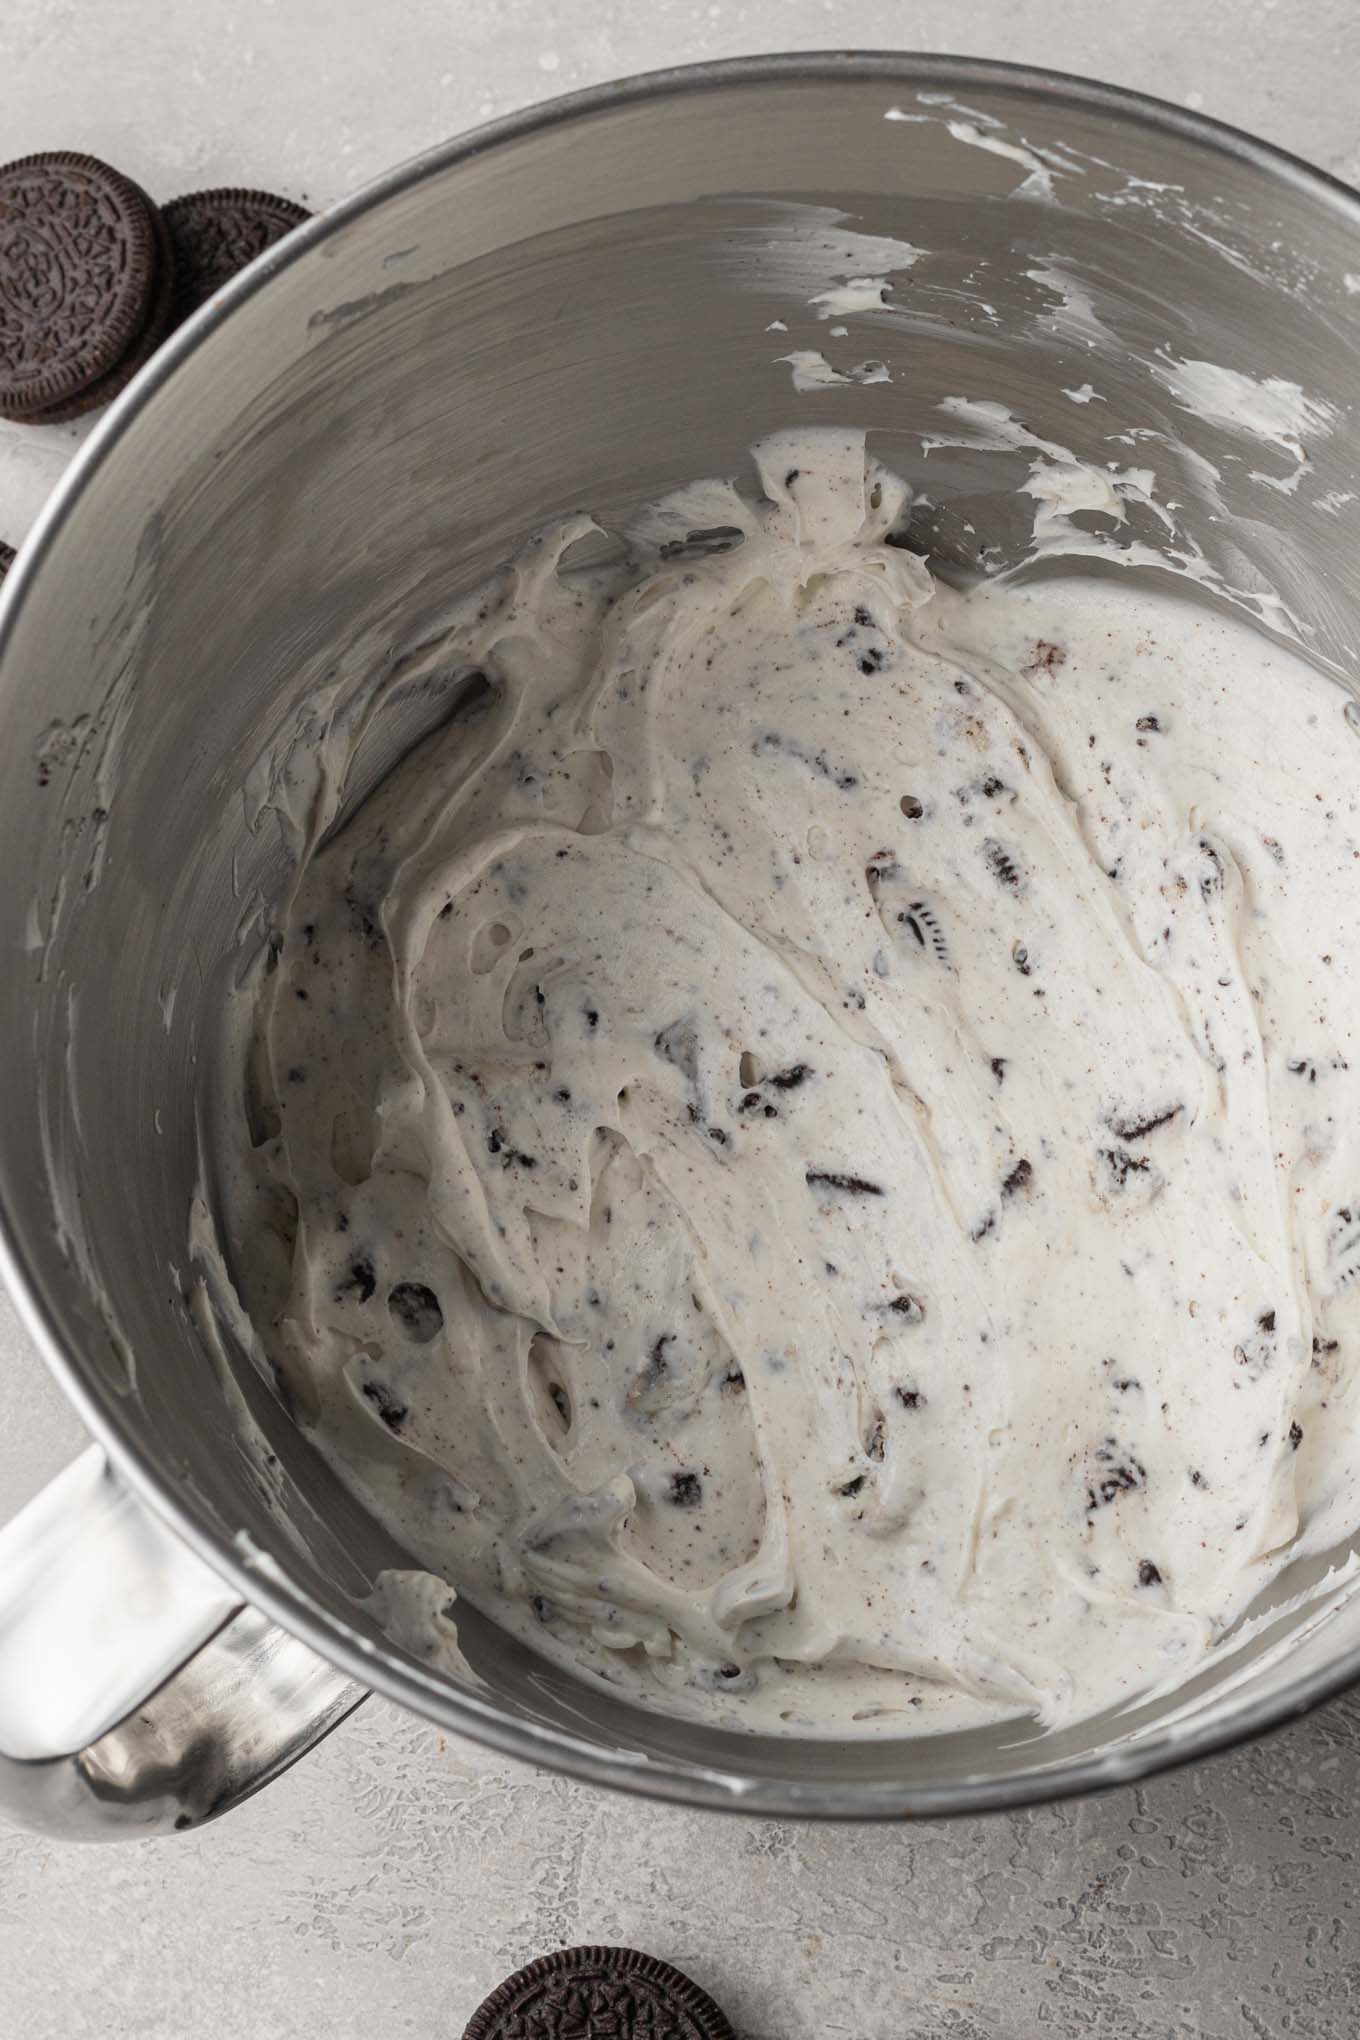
[{"x": 804, "y": 1152}]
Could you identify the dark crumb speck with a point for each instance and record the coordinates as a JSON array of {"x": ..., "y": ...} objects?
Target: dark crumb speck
[
  {"x": 790, "y": 1079},
  {"x": 1018, "y": 1179},
  {"x": 832, "y": 1179},
  {"x": 1211, "y": 877},
  {"x": 1148, "y": 1575},
  {"x": 1138, "y": 1125},
  {"x": 1125, "y": 1473},
  {"x": 910, "y": 1398},
  {"x": 686, "y": 1490},
  {"x": 923, "y": 922},
  {"x": 392, "y": 1412},
  {"x": 853, "y": 1487},
  {"x": 999, "y": 1068},
  {"x": 1146, "y": 723},
  {"x": 733, "y": 1382},
  {"x": 362, "y": 1279},
  {"x": 1296, "y": 1435},
  {"x": 1121, "y": 1164},
  {"x": 1002, "y": 864},
  {"x": 497, "y": 1145}
]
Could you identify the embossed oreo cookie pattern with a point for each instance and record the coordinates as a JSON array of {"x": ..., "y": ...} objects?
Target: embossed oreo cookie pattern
[{"x": 800, "y": 1151}]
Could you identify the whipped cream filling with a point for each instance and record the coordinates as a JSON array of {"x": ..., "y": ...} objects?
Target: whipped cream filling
[{"x": 801, "y": 1151}]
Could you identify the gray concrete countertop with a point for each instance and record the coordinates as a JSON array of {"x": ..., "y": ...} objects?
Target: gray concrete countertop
[{"x": 389, "y": 1881}]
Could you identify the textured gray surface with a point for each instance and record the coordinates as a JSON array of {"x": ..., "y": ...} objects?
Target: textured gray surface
[{"x": 384, "y": 1886}]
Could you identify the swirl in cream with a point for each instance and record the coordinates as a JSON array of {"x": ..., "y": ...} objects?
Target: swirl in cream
[{"x": 802, "y": 1150}]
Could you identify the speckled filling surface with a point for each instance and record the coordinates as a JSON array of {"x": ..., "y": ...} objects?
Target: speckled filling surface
[{"x": 800, "y": 1152}]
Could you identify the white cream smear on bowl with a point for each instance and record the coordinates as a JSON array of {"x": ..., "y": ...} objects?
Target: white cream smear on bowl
[{"x": 804, "y": 1153}]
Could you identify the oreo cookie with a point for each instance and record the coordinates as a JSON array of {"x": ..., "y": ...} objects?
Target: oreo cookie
[
  {"x": 85, "y": 284},
  {"x": 7, "y": 558},
  {"x": 582, "y": 1991},
  {"x": 216, "y": 233},
  {"x": 154, "y": 329}
]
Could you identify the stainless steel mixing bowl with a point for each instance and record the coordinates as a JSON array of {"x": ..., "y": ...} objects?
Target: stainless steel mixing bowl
[{"x": 568, "y": 309}]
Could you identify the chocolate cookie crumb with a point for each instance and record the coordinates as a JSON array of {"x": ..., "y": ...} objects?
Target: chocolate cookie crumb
[
  {"x": 362, "y": 1279},
  {"x": 1138, "y": 1126},
  {"x": 832, "y": 1179},
  {"x": 1045, "y": 657},
  {"x": 392, "y": 1412}
]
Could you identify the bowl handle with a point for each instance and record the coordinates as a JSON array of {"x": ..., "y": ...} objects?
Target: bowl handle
[{"x": 138, "y": 1695}]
